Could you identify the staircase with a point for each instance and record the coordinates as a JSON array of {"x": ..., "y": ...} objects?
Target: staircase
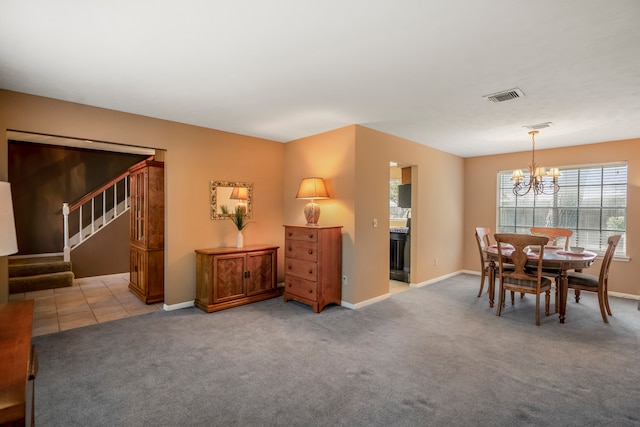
[
  {"x": 87, "y": 215},
  {"x": 37, "y": 273}
]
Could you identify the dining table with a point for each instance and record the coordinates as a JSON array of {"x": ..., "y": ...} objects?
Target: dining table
[{"x": 554, "y": 258}]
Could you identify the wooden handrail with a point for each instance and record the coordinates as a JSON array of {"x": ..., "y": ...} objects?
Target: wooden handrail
[{"x": 84, "y": 199}]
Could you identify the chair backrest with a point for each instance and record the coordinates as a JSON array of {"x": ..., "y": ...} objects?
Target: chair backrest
[
  {"x": 612, "y": 242},
  {"x": 519, "y": 257},
  {"x": 554, "y": 234},
  {"x": 482, "y": 239}
]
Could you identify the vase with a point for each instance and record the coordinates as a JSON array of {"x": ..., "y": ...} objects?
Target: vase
[{"x": 239, "y": 240}]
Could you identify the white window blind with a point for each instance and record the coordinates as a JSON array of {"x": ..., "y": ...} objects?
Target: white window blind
[{"x": 592, "y": 202}]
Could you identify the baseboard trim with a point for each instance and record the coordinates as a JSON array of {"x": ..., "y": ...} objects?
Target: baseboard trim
[
  {"x": 436, "y": 279},
  {"x": 626, "y": 296},
  {"x": 179, "y": 306},
  {"x": 365, "y": 302}
]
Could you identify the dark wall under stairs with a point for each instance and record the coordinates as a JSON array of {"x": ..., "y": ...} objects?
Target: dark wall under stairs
[{"x": 107, "y": 252}]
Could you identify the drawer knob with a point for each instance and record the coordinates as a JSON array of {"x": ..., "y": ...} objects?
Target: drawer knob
[
  {"x": 310, "y": 290},
  {"x": 289, "y": 284},
  {"x": 310, "y": 251},
  {"x": 310, "y": 236},
  {"x": 289, "y": 248},
  {"x": 289, "y": 266},
  {"x": 290, "y": 234},
  {"x": 310, "y": 271}
]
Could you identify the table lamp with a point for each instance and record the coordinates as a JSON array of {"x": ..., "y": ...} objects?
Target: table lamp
[
  {"x": 312, "y": 189},
  {"x": 240, "y": 194}
]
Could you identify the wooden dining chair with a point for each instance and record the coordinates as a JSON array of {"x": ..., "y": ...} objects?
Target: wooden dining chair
[
  {"x": 586, "y": 282},
  {"x": 482, "y": 239},
  {"x": 526, "y": 281},
  {"x": 554, "y": 235}
]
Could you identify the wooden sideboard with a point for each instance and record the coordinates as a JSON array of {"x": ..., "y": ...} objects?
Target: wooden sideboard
[
  {"x": 19, "y": 364},
  {"x": 313, "y": 265},
  {"x": 228, "y": 277}
]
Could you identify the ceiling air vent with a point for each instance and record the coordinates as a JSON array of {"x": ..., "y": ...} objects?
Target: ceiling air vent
[
  {"x": 539, "y": 126},
  {"x": 505, "y": 95}
]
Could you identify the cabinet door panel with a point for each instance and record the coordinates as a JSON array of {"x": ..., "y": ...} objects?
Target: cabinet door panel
[
  {"x": 229, "y": 273},
  {"x": 261, "y": 267},
  {"x": 138, "y": 269}
]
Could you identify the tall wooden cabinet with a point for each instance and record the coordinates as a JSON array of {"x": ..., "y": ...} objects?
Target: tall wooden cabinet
[
  {"x": 146, "y": 232},
  {"x": 313, "y": 265},
  {"x": 228, "y": 277}
]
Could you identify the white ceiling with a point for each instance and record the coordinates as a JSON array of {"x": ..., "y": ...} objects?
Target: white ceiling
[{"x": 286, "y": 69}]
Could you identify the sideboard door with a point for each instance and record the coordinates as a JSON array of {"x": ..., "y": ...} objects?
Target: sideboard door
[
  {"x": 261, "y": 272},
  {"x": 229, "y": 283}
]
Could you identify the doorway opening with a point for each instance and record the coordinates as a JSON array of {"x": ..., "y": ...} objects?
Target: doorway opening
[{"x": 399, "y": 227}]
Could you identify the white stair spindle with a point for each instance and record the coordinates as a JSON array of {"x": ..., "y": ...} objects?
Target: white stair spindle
[
  {"x": 93, "y": 219},
  {"x": 115, "y": 199},
  {"x": 80, "y": 227},
  {"x": 67, "y": 248},
  {"x": 104, "y": 208}
]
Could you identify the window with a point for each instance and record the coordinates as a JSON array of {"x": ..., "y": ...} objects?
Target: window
[
  {"x": 396, "y": 212},
  {"x": 592, "y": 202}
]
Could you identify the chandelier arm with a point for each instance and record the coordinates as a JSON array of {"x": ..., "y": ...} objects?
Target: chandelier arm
[{"x": 536, "y": 181}]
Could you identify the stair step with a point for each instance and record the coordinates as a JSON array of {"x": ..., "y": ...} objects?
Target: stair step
[
  {"x": 33, "y": 268},
  {"x": 40, "y": 282}
]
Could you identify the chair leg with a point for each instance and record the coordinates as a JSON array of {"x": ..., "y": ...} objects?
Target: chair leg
[
  {"x": 500, "y": 300},
  {"x": 482, "y": 276},
  {"x": 547, "y": 299},
  {"x": 605, "y": 293},
  {"x": 537, "y": 309},
  {"x": 601, "y": 303},
  {"x": 577, "y": 294},
  {"x": 606, "y": 302},
  {"x": 513, "y": 298}
]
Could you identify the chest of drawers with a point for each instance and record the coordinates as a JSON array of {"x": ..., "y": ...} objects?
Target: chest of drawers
[{"x": 313, "y": 265}]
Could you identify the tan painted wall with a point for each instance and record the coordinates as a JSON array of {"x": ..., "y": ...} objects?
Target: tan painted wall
[
  {"x": 355, "y": 162},
  {"x": 194, "y": 156},
  {"x": 480, "y": 198},
  {"x": 437, "y": 210},
  {"x": 329, "y": 155}
]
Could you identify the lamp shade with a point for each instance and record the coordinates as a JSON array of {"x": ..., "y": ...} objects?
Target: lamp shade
[
  {"x": 312, "y": 188},
  {"x": 239, "y": 193},
  {"x": 8, "y": 241}
]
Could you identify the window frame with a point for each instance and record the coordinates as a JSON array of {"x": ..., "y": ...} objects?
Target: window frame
[{"x": 573, "y": 207}]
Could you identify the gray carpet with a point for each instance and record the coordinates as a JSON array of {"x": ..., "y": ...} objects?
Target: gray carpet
[{"x": 431, "y": 356}]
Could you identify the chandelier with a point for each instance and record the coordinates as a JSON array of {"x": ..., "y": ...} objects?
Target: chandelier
[{"x": 538, "y": 179}]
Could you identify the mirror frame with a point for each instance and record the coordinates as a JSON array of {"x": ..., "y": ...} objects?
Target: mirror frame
[{"x": 215, "y": 186}]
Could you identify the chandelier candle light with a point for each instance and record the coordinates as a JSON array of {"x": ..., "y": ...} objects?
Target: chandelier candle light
[
  {"x": 312, "y": 189},
  {"x": 537, "y": 176}
]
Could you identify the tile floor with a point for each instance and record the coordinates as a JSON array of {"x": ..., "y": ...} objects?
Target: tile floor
[
  {"x": 95, "y": 300},
  {"x": 89, "y": 301},
  {"x": 396, "y": 286}
]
